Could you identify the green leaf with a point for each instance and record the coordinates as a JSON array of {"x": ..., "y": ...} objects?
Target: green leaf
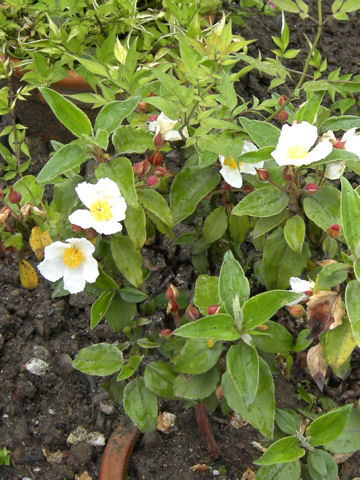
[
  {"x": 266, "y": 224},
  {"x": 159, "y": 379},
  {"x": 276, "y": 339},
  {"x": 232, "y": 282},
  {"x": 345, "y": 122},
  {"x": 262, "y": 202},
  {"x": 121, "y": 172},
  {"x": 170, "y": 109},
  {"x": 326, "y": 428},
  {"x": 309, "y": 110},
  {"x": 120, "y": 313},
  {"x": 323, "y": 207},
  {"x": 262, "y": 412},
  {"x": 140, "y": 405},
  {"x": 294, "y": 233},
  {"x": 242, "y": 363},
  {"x": 349, "y": 439},
  {"x": 350, "y": 6},
  {"x": 284, "y": 450},
  {"x": 352, "y": 295},
  {"x": 287, "y": 5},
  {"x": 65, "y": 197},
  {"x": 280, "y": 471},
  {"x": 219, "y": 327},
  {"x": 350, "y": 203},
  {"x": 135, "y": 223},
  {"x": 239, "y": 227},
  {"x": 302, "y": 342},
  {"x": 263, "y": 134},
  {"x": 215, "y": 225},
  {"x": 262, "y": 307},
  {"x": 189, "y": 187},
  {"x": 188, "y": 55},
  {"x": 128, "y": 139},
  {"x": 280, "y": 262},
  {"x": 127, "y": 259},
  {"x": 130, "y": 294},
  {"x": 100, "y": 306},
  {"x": 69, "y": 114},
  {"x": 99, "y": 359},
  {"x": 196, "y": 357},
  {"x": 287, "y": 420},
  {"x": 321, "y": 465},
  {"x": 197, "y": 387},
  {"x": 67, "y": 158},
  {"x": 227, "y": 91},
  {"x": 31, "y": 192},
  {"x": 112, "y": 114},
  {"x": 155, "y": 203},
  {"x": 206, "y": 292},
  {"x": 332, "y": 274}
]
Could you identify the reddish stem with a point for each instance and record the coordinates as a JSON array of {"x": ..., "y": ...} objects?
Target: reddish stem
[{"x": 206, "y": 431}]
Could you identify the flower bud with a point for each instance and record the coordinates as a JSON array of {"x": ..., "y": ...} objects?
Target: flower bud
[
  {"x": 172, "y": 306},
  {"x": 5, "y": 213},
  {"x": 191, "y": 312},
  {"x": 76, "y": 228},
  {"x": 311, "y": 188},
  {"x": 171, "y": 292},
  {"x": 14, "y": 196},
  {"x": 152, "y": 118},
  {"x": 282, "y": 99},
  {"x": 334, "y": 230},
  {"x": 141, "y": 167},
  {"x": 287, "y": 173},
  {"x": 282, "y": 116},
  {"x": 91, "y": 233},
  {"x": 213, "y": 309},
  {"x": 296, "y": 311},
  {"x": 262, "y": 174},
  {"x": 158, "y": 141},
  {"x": 152, "y": 181},
  {"x": 142, "y": 106},
  {"x": 160, "y": 171},
  {"x": 339, "y": 144},
  {"x": 156, "y": 158},
  {"x": 166, "y": 333}
]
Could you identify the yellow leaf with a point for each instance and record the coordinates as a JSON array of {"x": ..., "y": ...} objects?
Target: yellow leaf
[
  {"x": 38, "y": 241},
  {"x": 28, "y": 275}
]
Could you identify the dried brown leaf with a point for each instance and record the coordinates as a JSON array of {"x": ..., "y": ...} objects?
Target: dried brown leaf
[
  {"x": 325, "y": 312},
  {"x": 317, "y": 365},
  {"x": 248, "y": 474}
]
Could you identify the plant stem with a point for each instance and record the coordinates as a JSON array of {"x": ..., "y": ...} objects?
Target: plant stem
[
  {"x": 13, "y": 123},
  {"x": 206, "y": 431}
]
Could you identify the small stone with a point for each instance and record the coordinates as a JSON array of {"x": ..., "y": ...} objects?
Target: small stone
[
  {"x": 65, "y": 364},
  {"x": 106, "y": 407},
  {"x": 96, "y": 439},
  {"x": 41, "y": 352},
  {"x": 78, "y": 435},
  {"x": 21, "y": 313},
  {"x": 36, "y": 366}
]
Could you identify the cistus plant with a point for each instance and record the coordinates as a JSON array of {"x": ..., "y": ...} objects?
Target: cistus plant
[{"x": 268, "y": 178}]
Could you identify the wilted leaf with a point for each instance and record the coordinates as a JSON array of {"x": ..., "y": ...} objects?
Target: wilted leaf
[
  {"x": 28, "y": 275},
  {"x": 317, "y": 365},
  {"x": 325, "y": 312},
  {"x": 38, "y": 241}
]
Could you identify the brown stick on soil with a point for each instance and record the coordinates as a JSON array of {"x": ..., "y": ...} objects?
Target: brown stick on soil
[{"x": 206, "y": 431}]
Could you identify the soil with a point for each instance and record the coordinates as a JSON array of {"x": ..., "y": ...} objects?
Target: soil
[{"x": 37, "y": 413}]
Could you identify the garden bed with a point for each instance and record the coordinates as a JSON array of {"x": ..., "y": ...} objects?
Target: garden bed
[{"x": 38, "y": 413}]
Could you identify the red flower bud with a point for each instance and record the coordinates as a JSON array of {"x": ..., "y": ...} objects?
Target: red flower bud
[
  {"x": 282, "y": 116},
  {"x": 282, "y": 99},
  {"x": 166, "y": 333},
  {"x": 213, "y": 309},
  {"x": 152, "y": 118},
  {"x": 334, "y": 231},
  {"x": 76, "y": 228},
  {"x": 156, "y": 158},
  {"x": 191, "y": 312},
  {"x": 296, "y": 311},
  {"x": 262, "y": 174},
  {"x": 172, "y": 306},
  {"x": 90, "y": 233},
  {"x": 311, "y": 188},
  {"x": 158, "y": 141},
  {"x": 142, "y": 106},
  {"x": 247, "y": 189},
  {"x": 160, "y": 171},
  {"x": 171, "y": 292},
  {"x": 140, "y": 168},
  {"x": 14, "y": 196},
  {"x": 152, "y": 181},
  {"x": 339, "y": 145}
]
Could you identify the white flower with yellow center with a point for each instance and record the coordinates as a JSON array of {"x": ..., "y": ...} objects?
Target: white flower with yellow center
[
  {"x": 231, "y": 171},
  {"x": 352, "y": 142},
  {"x": 106, "y": 207},
  {"x": 165, "y": 126},
  {"x": 295, "y": 141},
  {"x": 72, "y": 261}
]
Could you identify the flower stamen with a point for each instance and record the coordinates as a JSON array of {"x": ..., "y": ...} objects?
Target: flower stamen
[
  {"x": 101, "y": 211},
  {"x": 72, "y": 257},
  {"x": 296, "y": 152},
  {"x": 230, "y": 162}
]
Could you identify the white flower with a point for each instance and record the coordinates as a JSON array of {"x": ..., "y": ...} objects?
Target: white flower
[
  {"x": 334, "y": 170},
  {"x": 106, "y": 207},
  {"x": 295, "y": 141},
  {"x": 352, "y": 142},
  {"x": 231, "y": 171},
  {"x": 300, "y": 286},
  {"x": 72, "y": 261},
  {"x": 165, "y": 126}
]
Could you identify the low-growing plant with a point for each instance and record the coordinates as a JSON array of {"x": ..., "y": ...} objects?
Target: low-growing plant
[{"x": 244, "y": 182}]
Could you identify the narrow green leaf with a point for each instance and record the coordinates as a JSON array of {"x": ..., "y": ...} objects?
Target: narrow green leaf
[
  {"x": 112, "y": 114},
  {"x": 262, "y": 202},
  {"x": 350, "y": 207},
  {"x": 100, "y": 306},
  {"x": 155, "y": 203},
  {"x": 135, "y": 223},
  {"x": 322, "y": 465},
  {"x": 220, "y": 327},
  {"x": 287, "y": 420},
  {"x": 284, "y": 450},
  {"x": 140, "y": 405},
  {"x": 266, "y": 224},
  {"x": 69, "y": 114},
  {"x": 215, "y": 225},
  {"x": 326, "y": 428},
  {"x": 99, "y": 359},
  {"x": 127, "y": 259},
  {"x": 352, "y": 295},
  {"x": 294, "y": 233},
  {"x": 338, "y": 345},
  {"x": 232, "y": 282}
]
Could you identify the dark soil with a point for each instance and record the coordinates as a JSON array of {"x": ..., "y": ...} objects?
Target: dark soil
[{"x": 37, "y": 413}]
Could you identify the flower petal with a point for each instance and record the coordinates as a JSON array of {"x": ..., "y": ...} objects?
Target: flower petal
[
  {"x": 232, "y": 176},
  {"x": 334, "y": 170}
]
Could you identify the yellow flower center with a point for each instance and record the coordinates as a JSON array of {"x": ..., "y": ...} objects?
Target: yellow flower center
[
  {"x": 72, "y": 257},
  {"x": 101, "y": 211},
  {"x": 230, "y": 162},
  {"x": 296, "y": 152}
]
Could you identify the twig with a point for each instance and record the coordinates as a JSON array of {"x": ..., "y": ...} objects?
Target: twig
[{"x": 206, "y": 431}]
